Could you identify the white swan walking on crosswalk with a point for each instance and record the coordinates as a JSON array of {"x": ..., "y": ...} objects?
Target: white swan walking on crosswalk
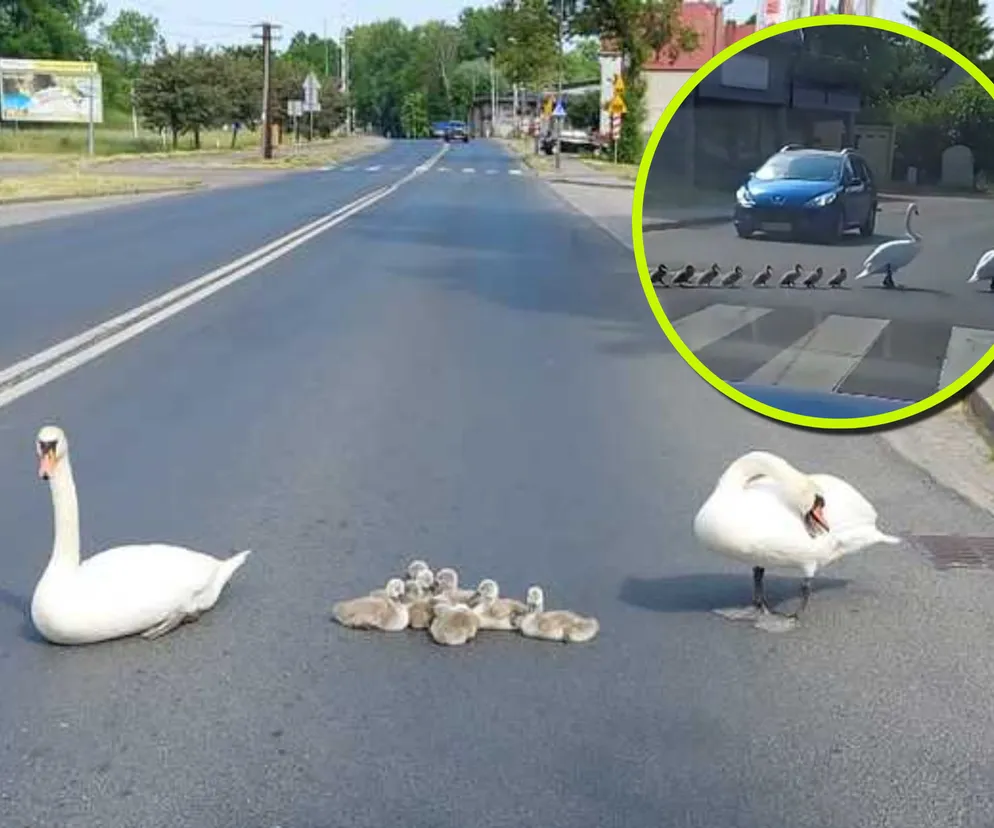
[
  {"x": 891, "y": 256},
  {"x": 984, "y": 269}
]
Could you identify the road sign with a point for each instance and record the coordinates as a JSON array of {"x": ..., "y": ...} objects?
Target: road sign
[
  {"x": 547, "y": 107},
  {"x": 311, "y": 89},
  {"x": 619, "y": 85},
  {"x": 560, "y": 110},
  {"x": 294, "y": 108},
  {"x": 616, "y": 106}
]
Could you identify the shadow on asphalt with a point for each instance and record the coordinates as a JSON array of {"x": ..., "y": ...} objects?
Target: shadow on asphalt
[
  {"x": 848, "y": 240},
  {"x": 707, "y": 592},
  {"x": 23, "y": 607}
]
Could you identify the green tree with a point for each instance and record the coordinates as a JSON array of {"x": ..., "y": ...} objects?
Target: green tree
[
  {"x": 161, "y": 94},
  {"x": 183, "y": 92},
  {"x": 482, "y": 30},
  {"x": 639, "y": 29},
  {"x": 52, "y": 29},
  {"x": 240, "y": 76},
  {"x": 582, "y": 62},
  {"x": 131, "y": 39},
  {"x": 379, "y": 73},
  {"x": 961, "y": 24},
  {"x": 529, "y": 51},
  {"x": 432, "y": 64},
  {"x": 584, "y": 110},
  {"x": 414, "y": 115},
  {"x": 314, "y": 53}
]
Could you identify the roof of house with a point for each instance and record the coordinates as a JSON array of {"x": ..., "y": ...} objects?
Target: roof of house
[{"x": 712, "y": 38}]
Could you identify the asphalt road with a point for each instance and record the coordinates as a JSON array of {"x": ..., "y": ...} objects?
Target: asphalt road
[
  {"x": 465, "y": 371},
  {"x": 860, "y": 339}
]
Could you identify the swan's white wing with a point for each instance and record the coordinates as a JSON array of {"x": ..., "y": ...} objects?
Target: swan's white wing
[
  {"x": 139, "y": 581},
  {"x": 984, "y": 267},
  {"x": 756, "y": 526},
  {"x": 896, "y": 253}
]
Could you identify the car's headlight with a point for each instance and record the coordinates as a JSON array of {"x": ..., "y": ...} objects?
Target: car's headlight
[
  {"x": 743, "y": 197},
  {"x": 823, "y": 200}
]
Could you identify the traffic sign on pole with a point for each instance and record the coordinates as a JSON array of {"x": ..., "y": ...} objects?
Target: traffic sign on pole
[
  {"x": 560, "y": 110},
  {"x": 619, "y": 85},
  {"x": 616, "y": 106},
  {"x": 311, "y": 89}
]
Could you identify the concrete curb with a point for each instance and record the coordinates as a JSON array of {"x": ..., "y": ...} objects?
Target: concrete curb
[
  {"x": 658, "y": 225},
  {"x": 587, "y": 182},
  {"x": 980, "y": 403}
]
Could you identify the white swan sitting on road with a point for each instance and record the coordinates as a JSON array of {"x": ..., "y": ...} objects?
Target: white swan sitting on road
[
  {"x": 984, "y": 269},
  {"x": 891, "y": 256},
  {"x": 149, "y": 589},
  {"x": 765, "y": 513}
]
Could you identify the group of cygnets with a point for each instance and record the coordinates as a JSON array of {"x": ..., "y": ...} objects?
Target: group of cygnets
[{"x": 453, "y": 616}]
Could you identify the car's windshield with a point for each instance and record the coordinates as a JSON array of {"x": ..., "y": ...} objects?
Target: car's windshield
[{"x": 803, "y": 167}]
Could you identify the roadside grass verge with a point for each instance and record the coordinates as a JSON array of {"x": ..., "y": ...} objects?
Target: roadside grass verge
[{"x": 66, "y": 184}]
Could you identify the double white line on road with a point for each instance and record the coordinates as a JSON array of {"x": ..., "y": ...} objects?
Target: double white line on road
[{"x": 38, "y": 370}]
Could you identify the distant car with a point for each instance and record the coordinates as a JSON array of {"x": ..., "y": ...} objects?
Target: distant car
[
  {"x": 457, "y": 131},
  {"x": 830, "y": 405},
  {"x": 808, "y": 192}
]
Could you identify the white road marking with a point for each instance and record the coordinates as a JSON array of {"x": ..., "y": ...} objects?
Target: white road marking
[
  {"x": 468, "y": 170},
  {"x": 965, "y": 348},
  {"x": 823, "y": 357},
  {"x": 707, "y": 326},
  {"x": 514, "y": 172},
  {"x": 443, "y": 169},
  {"x": 374, "y": 168},
  {"x": 40, "y": 369}
]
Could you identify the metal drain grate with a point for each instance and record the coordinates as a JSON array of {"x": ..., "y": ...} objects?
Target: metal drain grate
[{"x": 959, "y": 551}]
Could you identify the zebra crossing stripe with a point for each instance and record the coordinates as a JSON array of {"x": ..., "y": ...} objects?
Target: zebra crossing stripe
[
  {"x": 443, "y": 169},
  {"x": 374, "y": 168},
  {"x": 824, "y": 357},
  {"x": 468, "y": 170},
  {"x": 514, "y": 172},
  {"x": 966, "y": 346},
  {"x": 706, "y": 326}
]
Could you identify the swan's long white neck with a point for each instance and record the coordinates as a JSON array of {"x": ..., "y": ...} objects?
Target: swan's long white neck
[
  {"x": 761, "y": 464},
  {"x": 65, "y": 549},
  {"x": 907, "y": 225}
]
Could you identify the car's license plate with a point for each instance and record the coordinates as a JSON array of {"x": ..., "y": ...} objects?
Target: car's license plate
[{"x": 777, "y": 226}]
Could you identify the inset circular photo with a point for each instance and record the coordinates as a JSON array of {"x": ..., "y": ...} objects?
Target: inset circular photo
[{"x": 812, "y": 223}]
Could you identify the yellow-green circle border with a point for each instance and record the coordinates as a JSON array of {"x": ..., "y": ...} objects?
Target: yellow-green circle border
[{"x": 851, "y": 423}]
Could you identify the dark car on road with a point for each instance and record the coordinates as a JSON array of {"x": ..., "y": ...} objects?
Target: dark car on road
[
  {"x": 457, "y": 131},
  {"x": 807, "y": 192}
]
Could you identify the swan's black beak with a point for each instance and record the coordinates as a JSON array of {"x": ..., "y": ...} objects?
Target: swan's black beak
[{"x": 814, "y": 520}]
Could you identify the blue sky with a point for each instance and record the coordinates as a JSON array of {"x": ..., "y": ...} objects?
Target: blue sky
[{"x": 227, "y": 21}]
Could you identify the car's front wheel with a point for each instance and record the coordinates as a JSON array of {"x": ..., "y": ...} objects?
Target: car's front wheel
[
  {"x": 837, "y": 228},
  {"x": 744, "y": 231}
]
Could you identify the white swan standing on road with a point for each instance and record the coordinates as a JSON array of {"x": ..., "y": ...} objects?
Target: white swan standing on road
[
  {"x": 891, "y": 256},
  {"x": 149, "y": 589},
  {"x": 765, "y": 513},
  {"x": 984, "y": 269}
]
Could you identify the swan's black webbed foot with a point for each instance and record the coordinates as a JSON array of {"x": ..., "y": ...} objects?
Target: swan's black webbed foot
[
  {"x": 775, "y": 622},
  {"x": 755, "y": 611}
]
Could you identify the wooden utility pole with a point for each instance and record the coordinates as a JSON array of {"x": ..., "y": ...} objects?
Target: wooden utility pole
[{"x": 267, "y": 109}]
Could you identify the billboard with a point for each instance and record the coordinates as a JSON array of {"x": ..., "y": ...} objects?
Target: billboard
[{"x": 52, "y": 91}]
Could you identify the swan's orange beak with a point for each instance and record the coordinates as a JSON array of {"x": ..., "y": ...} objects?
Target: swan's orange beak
[
  {"x": 816, "y": 517},
  {"x": 46, "y": 464}
]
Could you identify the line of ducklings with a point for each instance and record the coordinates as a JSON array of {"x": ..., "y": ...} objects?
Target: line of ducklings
[
  {"x": 713, "y": 277},
  {"x": 453, "y": 616}
]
